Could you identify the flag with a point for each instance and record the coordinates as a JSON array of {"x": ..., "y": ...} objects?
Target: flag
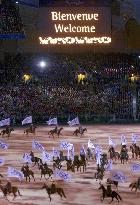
[
  {"x": 27, "y": 120},
  {"x": 2, "y": 161},
  {"x": 63, "y": 175},
  {"x": 52, "y": 121},
  {"x": 120, "y": 177},
  {"x": 12, "y": 172},
  {"x": 36, "y": 145},
  {"x": 82, "y": 151},
  {"x": 56, "y": 153},
  {"x": 123, "y": 140},
  {"x": 109, "y": 166},
  {"x": 74, "y": 122},
  {"x": 135, "y": 168},
  {"x": 27, "y": 158},
  {"x": 4, "y": 146},
  {"x": 90, "y": 144},
  {"x": 98, "y": 152},
  {"x": 111, "y": 142},
  {"x": 46, "y": 156},
  {"x": 98, "y": 149},
  {"x": 69, "y": 147},
  {"x": 134, "y": 139},
  {"x": 5, "y": 122}
]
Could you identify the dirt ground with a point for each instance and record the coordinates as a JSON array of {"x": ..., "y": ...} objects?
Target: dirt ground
[{"x": 83, "y": 188}]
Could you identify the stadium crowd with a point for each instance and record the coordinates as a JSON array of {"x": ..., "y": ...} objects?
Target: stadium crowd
[{"x": 106, "y": 91}]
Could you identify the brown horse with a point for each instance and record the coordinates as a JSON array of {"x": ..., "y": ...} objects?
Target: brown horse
[
  {"x": 27, "y": 173},
  {"x": 7, "y": 131},
  {"x": 77, "y": 131},
  {"x": 52, "y": 132},
  {"x": 45, "y": 170},
  {"x": 53, "y": 189},
  {"x": 135, "y": 151},
  {"x": 105, "y": 194},
  {"x": 31, "y": 129},
  {"x": 135, "y": 185},
  {"x": 79, "y": 163},
  {"x": 7, "y": 189}
]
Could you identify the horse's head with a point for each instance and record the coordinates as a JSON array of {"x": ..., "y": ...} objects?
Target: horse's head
[
  {"x": 101, "y": 186},
  {"x": 85, "y": 129}
]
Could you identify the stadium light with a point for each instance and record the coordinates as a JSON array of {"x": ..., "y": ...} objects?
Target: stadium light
[
  {"x": 17, "y": 2},
  {"x": 42, "y": 64}
]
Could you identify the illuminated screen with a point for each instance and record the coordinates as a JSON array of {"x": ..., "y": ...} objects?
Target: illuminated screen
[{"x": 68, "y": 26}]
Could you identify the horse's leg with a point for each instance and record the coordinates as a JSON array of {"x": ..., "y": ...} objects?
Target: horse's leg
[
  {"x": 60, "y": 194},
  {"x": 50, "y": 197},
  {"x": 33, "y": 177},
  {"x": 14, "y": 195},
  {"x": 29, "y": 178},
  {"x": 19, "y": 193}
]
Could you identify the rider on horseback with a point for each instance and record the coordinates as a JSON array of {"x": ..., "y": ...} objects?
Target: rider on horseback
[
  {"x": 8, "y": 187},
  {"x": 109, "y": 190}
]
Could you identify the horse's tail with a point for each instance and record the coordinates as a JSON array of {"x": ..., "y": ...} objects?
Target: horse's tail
[
  {"x": 63, "y": 193},
  {"x": 119, "y": 196},
  {"x": 19, "y": 193}
]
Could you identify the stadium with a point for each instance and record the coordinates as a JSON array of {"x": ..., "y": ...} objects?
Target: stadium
[{"x": 69, "y": 102}]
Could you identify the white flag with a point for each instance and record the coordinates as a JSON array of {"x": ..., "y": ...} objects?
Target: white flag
[
  {"x": 109, "y": 166},
  {"x": 36, "y": 145},
  {"x": 27, "y": 120},
  {"x": 111, "y": 142},
  {"x": 90, "y": 144},
  {"x": 123, "y": 140},
  {"x": 134, "y": 139},
  {"x": 120, "y": 177},
  {"x": 2, "y": 161},
  {"x": 5, "y": 122},
  {"x": 52, "y": 121},
  {"x": 56, "y": 153},
  {"x": 3, "y": 145},
  {"x": 46, "y": 156},
  {"x": 27, "y": 158},
  {"x": 74, "y": 122},
  {"x": 135, "y": 168},
  {"x": 12, "y": 172},
  {"x": 63, "y": 175}
]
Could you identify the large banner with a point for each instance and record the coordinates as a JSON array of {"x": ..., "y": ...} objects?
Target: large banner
[{"x": 74, "y": 25}]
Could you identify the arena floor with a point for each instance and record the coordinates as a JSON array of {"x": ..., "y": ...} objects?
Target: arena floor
[{"x": 83, "y": 188}]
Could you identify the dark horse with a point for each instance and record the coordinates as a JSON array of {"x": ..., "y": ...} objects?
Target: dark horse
[
  {"x": 34, "y": 159},
  {"x": 135, "y": 151},
  {"x": 52, "y": 132},
  {"x": 31, "y": 129},
  {"x": 53, "y": 189},
  {"x": 45, "y": 170},
  {"x": 124, "y": 155},
  {"x": 77, "y": 131},
  {"x": 7, "y": 131},
  {"x": 79, "y": 162},
  {"x": 7, "y": 189},
  {"x": 135, "y": 185},
  {"x": 113, "y": 194},
  {"x": 113, "y": 154},
  {"x": 27, "y": 173}
]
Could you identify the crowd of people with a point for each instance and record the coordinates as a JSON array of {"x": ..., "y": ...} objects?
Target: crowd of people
[
  {"x": 105, "y": 93},
  {"x": 10, "y": 19}
]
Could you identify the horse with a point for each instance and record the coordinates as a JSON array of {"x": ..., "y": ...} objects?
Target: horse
[
  {"x": 31, "y": 129},
  {"x": 7, "y": 189},
  {"x": 135, "y": 151},
  {"x": 135, "y": 185},
  {"x": 79, "y": 162},
  {"x": 53, "y": 189},
  {"x": 57, "y": 163},
  {"x": 34, "y": 159},
  {"x": 7, "y": 131},
  {"x": 124, "y": 155},
  {"x": 27, "y": 173},
  {"x": 78, "y": 131},
  {"x": 100, "y": 172},
  {"x": 105, "y": 193},
  {"x": 45, "y": 170},
  {"x": 113, "y": 154},
  {"x": 52, "y": 132},
  {"x": 70, "y": 165}
]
